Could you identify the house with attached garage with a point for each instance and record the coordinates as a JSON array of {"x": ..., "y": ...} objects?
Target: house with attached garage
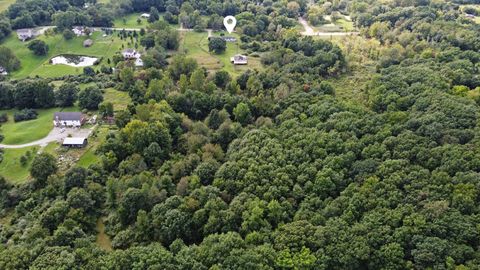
[
  {"x": 132, "y": 54},
  {"x": 68, "y": 119},
  {"x": 26, "y": 34}
]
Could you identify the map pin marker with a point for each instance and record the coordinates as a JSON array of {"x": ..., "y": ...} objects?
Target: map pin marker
[{"x": 230, "y": 23}]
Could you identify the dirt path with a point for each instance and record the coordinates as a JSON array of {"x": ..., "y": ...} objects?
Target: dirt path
[{"x": 55, "y": 135}]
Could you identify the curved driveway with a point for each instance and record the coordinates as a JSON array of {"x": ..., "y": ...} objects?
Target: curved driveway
[{"x": 55, "y": 135}]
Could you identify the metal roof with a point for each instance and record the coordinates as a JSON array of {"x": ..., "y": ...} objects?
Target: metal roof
[
  {"x": 74, "y": 141},
  {"x": 67, "y": 116}
]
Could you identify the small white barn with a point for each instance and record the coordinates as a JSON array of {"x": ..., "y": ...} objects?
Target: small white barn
[
  {"x": 78, "y": 142},
  {"x": 239, "y": 59},
  {"x": 3, "y": 71},
  {"x": 68, "y": 119}
]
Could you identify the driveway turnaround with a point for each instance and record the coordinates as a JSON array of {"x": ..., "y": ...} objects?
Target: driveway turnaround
[{"x": 56, "y": 135}]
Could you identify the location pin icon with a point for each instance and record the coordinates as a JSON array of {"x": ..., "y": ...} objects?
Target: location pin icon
[{"x": 230, "y": 23}]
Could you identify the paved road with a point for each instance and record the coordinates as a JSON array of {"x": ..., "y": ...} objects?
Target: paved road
[{"x": 55, "y": 135}]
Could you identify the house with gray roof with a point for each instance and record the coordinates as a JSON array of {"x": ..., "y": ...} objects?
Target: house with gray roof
[
  {"x": 68, "y": 119},
  {"x": 26, "y": 34}
]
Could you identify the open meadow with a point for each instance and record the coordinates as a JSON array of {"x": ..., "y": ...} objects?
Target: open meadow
[
  {"x": 195, "y": 45},
  {"x": 4, "y": 4}
]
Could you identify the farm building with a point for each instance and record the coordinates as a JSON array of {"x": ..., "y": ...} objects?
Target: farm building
[
  {"x": 239, "y": 59},
  {"x": 87, "y": 43},
  {"x": 26, "y": 34},
  {"x": 68, "y": 119},
  {"x": 229, "y": 39},
  {"x": 79, "y": 142},
  {"x": 145, "y": 15}
]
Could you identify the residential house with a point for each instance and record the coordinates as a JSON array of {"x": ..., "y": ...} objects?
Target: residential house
[
  {"x": 239, "y": 59},
  {"x": 81, "y": 31},
  {"x": 87, "y": 43},
  {"x": 26, "y": 34},
  {"x": 131, "y": 54},
  {"x": 3, "y": 71},
  {"x": 68, "y": 119},
  {"x": 72, "y": 142}
]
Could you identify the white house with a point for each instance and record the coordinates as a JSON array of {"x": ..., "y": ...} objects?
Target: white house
[
  {"x": 78, "y": 142},
  {"x": 3, "y": 71},
  {"x": 81, "y": 30},
  {"x": 26, "y": 34},
  {"x": 239, "y": 59},
  {"x": 68, "y": 119},
  {"x": 131, "y": 54},
  {"x": 145, "y": 15}
]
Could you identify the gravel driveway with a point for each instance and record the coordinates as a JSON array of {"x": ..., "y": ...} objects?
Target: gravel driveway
[{"x": 55, "y": 135}]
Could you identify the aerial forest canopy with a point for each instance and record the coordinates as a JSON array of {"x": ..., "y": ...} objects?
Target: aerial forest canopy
[{"x": 356, "y": 151}]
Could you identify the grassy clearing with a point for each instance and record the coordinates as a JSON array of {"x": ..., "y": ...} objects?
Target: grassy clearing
[
  {"x": 32, "y": 65},
  {"x": 346, "y": 25},
  {"x": 11, "y": 167},
  {"x": 119, "y": 99},
  {"x": 4, "y": 4},
  {"x": 87, "y": 155},
  {"x": 32, "y": 130},
  {"x": 130, "y": 21},
  {"x": 103, "y": 240},
  {"x": 195, "y": 45}
]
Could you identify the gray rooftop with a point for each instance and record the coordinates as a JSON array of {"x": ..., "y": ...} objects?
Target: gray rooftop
[{"x": 67, "y": 116}]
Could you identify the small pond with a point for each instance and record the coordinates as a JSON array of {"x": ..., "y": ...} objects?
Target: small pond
[{"x": 73, "y": 60}]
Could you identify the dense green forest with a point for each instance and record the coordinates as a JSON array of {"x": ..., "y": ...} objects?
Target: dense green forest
[{"x": 278, "y": 168}]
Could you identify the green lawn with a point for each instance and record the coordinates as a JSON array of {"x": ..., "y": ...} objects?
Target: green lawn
[
  {"x": 4, "y": 4},
  {"x": 196, "y": 46},
  {"x": 29, "y": 131},
  {"x": 346, "y": 25},
  {"x": 32, "y": 65},
  {"x": 11, "y": 168},
  {"x": 119, "y": 99},
  {"x": 130, "y": 21},
  {"x": 89, "y": 157}
]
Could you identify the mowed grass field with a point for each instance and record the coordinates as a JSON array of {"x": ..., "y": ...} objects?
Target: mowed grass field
[
  {"x": 4, "y": 4},
  {"x": 130, "y": 21},
  {"x": 195, "y": 45},
  {"x": 12, "y": 169},
  {"x": 32, "y": 65},
  {"x": 119, "y": 99},
  {"x": 32, "y": 130}
]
